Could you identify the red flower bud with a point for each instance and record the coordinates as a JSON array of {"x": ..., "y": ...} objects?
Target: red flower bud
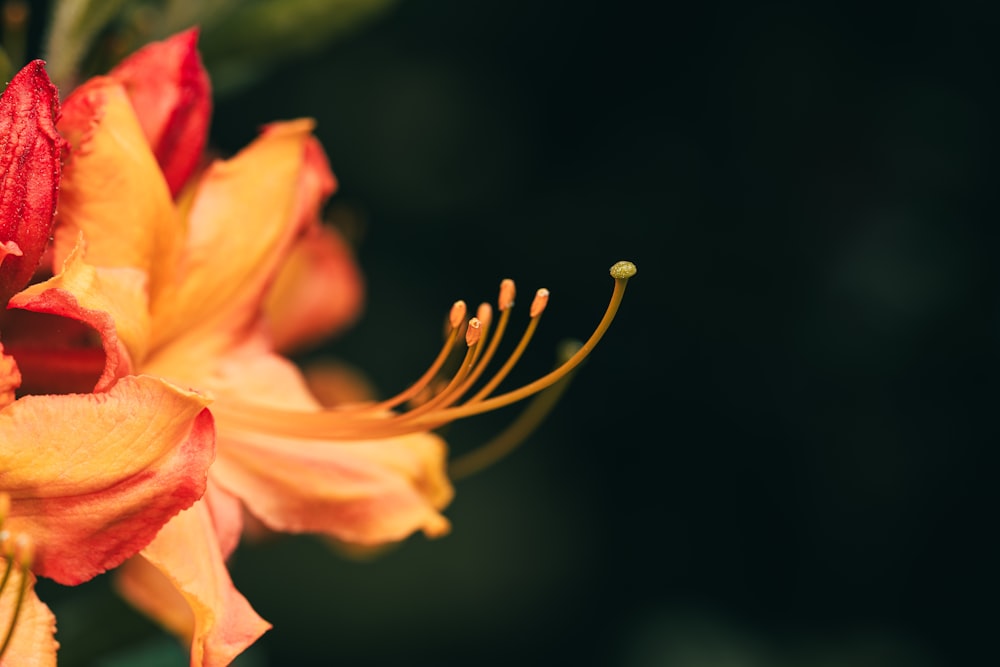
[{"x": 30, "y": 161}]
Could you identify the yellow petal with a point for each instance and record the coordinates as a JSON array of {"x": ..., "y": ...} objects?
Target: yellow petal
[
  {"x": 33, "y": 643},
  {"x": 102, "y": 470},
  {"x": 181, "y": 580},
  {"x": 241, "y": 222},
  {"x": 112, "y": 188}
]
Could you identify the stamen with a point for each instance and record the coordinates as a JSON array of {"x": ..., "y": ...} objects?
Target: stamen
[
  {"x": 518, "y": 431},
  {"x": 457, "y": 315},
  {"x": 473, "y": 332},
  {"x": 373, "y": 421},
  {"x": 540, "y": 301},
  {"x": 507, "y": 292},
  {"x": 456, "y": 319},
  {"x": 19, "y": 553}
]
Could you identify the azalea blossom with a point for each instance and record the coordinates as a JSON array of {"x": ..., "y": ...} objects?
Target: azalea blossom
[
  {"x": 227, "y": 264},
  {"x": 89, "y": 470}
]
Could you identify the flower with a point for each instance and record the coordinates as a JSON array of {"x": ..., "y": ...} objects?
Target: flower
[
  {"x": 234, "y": 255},
  {"x": 86, "y": 479}
]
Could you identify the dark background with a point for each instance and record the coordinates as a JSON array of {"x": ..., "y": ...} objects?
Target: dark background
[{"x": 780, "y": 453}]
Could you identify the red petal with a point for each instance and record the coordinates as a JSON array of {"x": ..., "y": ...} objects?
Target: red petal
[
  {"x": 30, "y": 154},
  {"x": 170, "y": 91}
]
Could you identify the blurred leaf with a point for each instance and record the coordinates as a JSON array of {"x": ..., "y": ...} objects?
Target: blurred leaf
[
  {"x": 6, "y": 68},
  {"x": 158, "y": 652},
  {"x": 261, "y": 34},
  {"x": 241, "y": 40},
  {"x": 72, "y": 31}
]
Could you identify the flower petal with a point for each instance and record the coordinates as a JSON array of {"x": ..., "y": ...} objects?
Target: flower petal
[
  {"x": 319, "y": 291},
  {"x": 30, "y": 155},
  {"x": 367, "y": 492},
  {"x": 112, "y": 188},
  {"x": 33, "y": 643},
  {"x": 112, "y": 301},
  {"x": 102, "y": 470},
  {"x": 181, "y": 580},
  {"x": 10, "y": 378},
  {"x": 170, "y": 90},
  {"x": 244, "y": 217}
]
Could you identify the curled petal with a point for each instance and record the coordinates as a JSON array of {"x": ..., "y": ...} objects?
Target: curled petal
[
  {"x": 33, "y": 643},
  {"x": 102, "y": 470},
  {"x": 112, "y": 188},
  {"x": 110, "y": 301},
  {"x": 30, "y": 155},
  {"x": 170, "y": 90},
  {"x": 319, "y": 291},
  {"x": 181, "y": 580}
]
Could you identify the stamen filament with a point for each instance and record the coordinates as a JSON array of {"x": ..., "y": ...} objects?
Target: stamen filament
[
  {"x": 516, "y": 432},
  {"x": 19, "y": 553},
  {"x": 450, "y": 391},
  {"x": 367, "y": 423},
  {"x": 514, "y": 357},
  {"x": 18, "y": 605},
  {"x": 468, "y": 410},
  {"x": 456, "y": 319}
]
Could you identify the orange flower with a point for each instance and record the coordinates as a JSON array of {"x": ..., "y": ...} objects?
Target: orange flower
[
  {"x": 86, "y": 479},
  {"x": 238, "y": 267}
]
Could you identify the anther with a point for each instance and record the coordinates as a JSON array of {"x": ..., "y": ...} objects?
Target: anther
[
  {"x": 473, "y": 332},
  {"x": 457, "y": 315},
  {"x": 485, "y": 314},
  {"x": 507, "y": 291},
  {"x": 540, "y": 301}
]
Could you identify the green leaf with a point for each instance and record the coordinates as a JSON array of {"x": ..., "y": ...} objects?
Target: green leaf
[{"x": 73, "y": 28}]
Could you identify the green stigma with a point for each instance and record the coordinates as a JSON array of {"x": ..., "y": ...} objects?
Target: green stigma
[{"x": 623, "y": 270}]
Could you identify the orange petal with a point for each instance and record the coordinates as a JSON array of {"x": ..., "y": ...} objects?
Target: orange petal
[
  {"x": 368, "y": 492},
  {"x": 244, "y": 216},
  {"x": 10, "y": 378},
  {"x": 170, "y": 90},
  {"x": 30, "y": 156},
  {"x": 227, "y": 517},
  {"x": 93, "y": 477},
  {"x": 180, "y": 579},
  {"x": 360, "y": 491},
  {"x": 319, "y": 291},
  {"x": 110, "y": 301},
  {"x": 112, "y": 188},
  {"x": 33, "y": 643}
]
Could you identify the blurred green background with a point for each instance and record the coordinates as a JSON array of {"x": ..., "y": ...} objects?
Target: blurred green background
[{"x": 779, "y": 455}]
